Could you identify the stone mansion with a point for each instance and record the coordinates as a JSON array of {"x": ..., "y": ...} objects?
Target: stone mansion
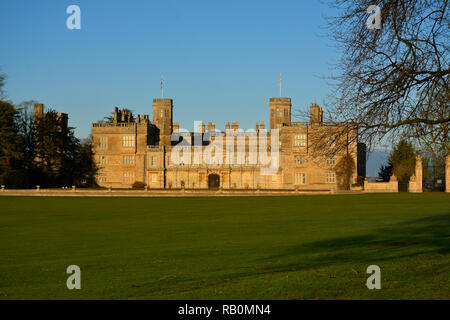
[{"x": 131, "y": 150}]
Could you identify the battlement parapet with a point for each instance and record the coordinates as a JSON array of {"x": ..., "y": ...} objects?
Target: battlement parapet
[
  {"x": 155, "y": 148},
  {"x": 307, "y": 124},
  {"x": 299, "y": 124},
  {"x": 280, "y": 100},
  {"x": 166, "y": 100},
  {"x": 112, "y": 124}
]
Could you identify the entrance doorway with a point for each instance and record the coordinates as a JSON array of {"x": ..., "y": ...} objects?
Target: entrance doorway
[{"x": 213, "y": 181}]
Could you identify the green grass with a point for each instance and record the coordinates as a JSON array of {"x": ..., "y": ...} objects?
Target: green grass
[{"x": 305, "y": 247}]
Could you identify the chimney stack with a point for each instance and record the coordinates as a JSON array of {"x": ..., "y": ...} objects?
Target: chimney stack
[
  {"x": 201, "y": 127},
  {"x": 38, "y": 110},
  {"x": 116, "y": 111}
]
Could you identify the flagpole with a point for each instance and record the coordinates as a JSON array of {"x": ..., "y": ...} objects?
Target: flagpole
[
  {"x": 162, "y": 87},
  {"x": 280, "y": 85}
]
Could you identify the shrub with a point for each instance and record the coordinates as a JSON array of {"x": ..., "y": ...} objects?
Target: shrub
[{"x": 138, "y": 185}]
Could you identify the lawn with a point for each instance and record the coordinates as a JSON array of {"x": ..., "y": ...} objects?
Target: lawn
[{"x": 303, "y": 247}]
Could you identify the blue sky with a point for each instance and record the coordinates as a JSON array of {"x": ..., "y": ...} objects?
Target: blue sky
[{"x": 221, "y": 60}]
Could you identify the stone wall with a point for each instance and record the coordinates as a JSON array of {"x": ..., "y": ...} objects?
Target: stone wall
[
  {"x": 391, "y": 186},
  {"x": 179, "y": 192}
]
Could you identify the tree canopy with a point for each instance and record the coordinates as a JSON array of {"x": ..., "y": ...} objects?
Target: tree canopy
[
  {"x": 403, "y": 161},
  {"x": 41, "y": 150}
]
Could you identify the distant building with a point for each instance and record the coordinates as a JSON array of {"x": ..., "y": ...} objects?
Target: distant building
[
  {"x": 39, "y": 113},
  {"x": 129, "y": 150},
  {"x": 62, "y": 120}
]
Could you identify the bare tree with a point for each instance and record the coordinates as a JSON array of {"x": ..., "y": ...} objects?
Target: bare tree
[
  {"x": 26, "y": 129},
  {"x": 394, "y": 80},
  {"x": 344, "y": 171}
]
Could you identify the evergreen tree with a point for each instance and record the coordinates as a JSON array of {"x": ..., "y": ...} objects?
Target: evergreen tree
[
  {"x": 41, "y": 150},
  {"x": 385, "y": 172},
  {"x": 403, "y": 160},
  {"x": 86, "y": 168},
  {"x": 10, "y": 145},
  {"x": 55, "y": 150}
]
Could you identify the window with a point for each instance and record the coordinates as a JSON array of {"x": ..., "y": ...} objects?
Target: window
[
  {"x": 300, "y": 140},
  {"x": 280, "y": 112},
  {"x": 154, "y": 177},
  {"x": 103, "y": 143},
  {"x": 167, "y": 113},
  {"x": 128, "y": 141},
  {"x": 300, "y": 160},
  {"x": 331, "y": 161},
  {"x": 128, "y": 177},
  {"x": 331, "y": 142},
  {"x": 153, "y": 161},
  {"x": 274, "y": 178},
  {"x": 300, "y": 178},
  {"x": 331, "y": 177},
  {"x": 102, "y": 160},
  {"x": 161, "y": 113},
  {"x": 286, "y": 113},
  {"x": 101, "y": 177},
  {"x": 128, "y": 160}
]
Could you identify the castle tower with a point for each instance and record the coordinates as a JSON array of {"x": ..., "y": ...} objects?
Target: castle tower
[
  {"x": 316, "y": 115},
  {"x": 38, "y": 110},
  {"x": 280, "y": 112},
  {"x": 39, "y": 113},
  {"x": 162, "y": 118}
]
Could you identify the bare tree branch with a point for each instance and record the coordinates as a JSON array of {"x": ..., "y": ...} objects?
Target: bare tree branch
[{"x": 393, "y": 80}]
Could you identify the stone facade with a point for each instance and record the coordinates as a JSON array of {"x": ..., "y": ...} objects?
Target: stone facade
[{"x": 130, "y": 150}]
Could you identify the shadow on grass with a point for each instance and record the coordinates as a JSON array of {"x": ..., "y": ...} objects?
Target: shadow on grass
[
  {"x": 403, "y": 240},
  {"x": 413, "y": 238}
]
